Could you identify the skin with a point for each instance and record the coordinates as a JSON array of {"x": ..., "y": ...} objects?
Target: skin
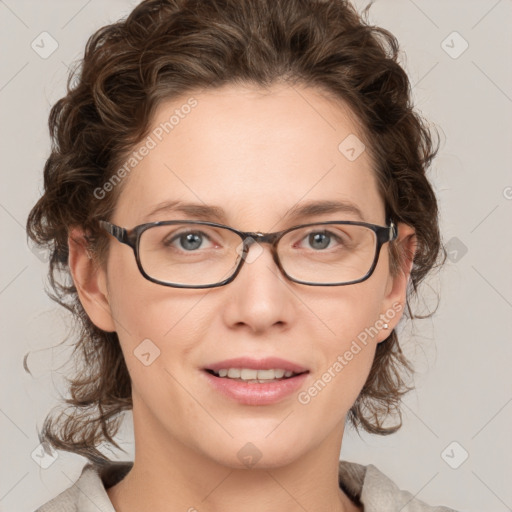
[{"x": 256, "y": 154}]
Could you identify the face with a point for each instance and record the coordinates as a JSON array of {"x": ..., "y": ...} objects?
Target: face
[{"x": 255, "y": 155}]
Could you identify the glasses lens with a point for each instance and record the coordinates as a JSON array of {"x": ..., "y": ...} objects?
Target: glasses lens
[
  {"x": 189, "y": 254},
  {"x": 328, "y": 253}
]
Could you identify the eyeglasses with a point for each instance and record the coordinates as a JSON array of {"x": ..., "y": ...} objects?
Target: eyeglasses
[{"x": 200, "y": 254}]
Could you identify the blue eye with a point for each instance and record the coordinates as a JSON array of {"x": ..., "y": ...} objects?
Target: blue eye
[
  {"x": 323, "y": 239},
  {"x": 188, "y": 240},
  {"x": 319, "y": 240}
]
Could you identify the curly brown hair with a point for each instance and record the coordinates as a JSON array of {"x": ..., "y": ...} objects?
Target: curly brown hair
[{"x": 165, "y": 49}]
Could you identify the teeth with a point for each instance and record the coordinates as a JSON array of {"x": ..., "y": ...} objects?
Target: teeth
[{"x": 250, "y": 375}]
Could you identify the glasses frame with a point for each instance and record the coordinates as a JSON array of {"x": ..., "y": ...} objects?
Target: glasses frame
[{"x": 131, "y": 237}]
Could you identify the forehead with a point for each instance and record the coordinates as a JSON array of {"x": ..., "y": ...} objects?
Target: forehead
[{"x": 254, "y": 153}]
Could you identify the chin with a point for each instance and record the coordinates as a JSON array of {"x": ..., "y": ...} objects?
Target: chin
[{"x": 256, "y": 452}]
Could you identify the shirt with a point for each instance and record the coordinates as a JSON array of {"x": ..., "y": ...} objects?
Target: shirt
[{"x": 365, "y": 485}]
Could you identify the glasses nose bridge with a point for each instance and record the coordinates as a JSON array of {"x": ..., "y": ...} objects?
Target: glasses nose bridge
[
  {"x": 261, "y": 238},
  {"x": 250, "y": 238},
  {"x": 266, "y": 238}
]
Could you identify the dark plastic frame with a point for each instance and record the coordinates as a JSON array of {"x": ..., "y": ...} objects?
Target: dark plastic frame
[{"x": 131, "y": 237}]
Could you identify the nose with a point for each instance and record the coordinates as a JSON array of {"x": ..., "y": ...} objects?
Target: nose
[{"x": 260, "y": 297}]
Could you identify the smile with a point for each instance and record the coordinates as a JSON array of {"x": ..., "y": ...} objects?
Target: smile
[{"x": 254, "y": 376}]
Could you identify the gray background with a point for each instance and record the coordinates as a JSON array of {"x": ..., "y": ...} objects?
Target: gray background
[{"x": 462, "y": 406}]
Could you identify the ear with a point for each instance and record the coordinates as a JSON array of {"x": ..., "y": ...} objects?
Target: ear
[
  {"x": 394, "y": 303},
  {"x": 90, "y": 281}
]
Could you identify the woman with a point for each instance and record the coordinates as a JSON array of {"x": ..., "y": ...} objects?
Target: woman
[{"x": 237, "y": 194}]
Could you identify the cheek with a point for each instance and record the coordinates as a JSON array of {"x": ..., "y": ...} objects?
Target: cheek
[
  {"x": 151, "y": 320},
  {"x": 349, "y": 312},
  {"x": 143, "y": 309},
  {"x": 168, "y": 319},
  {"x": 348, "y": 320},
  {"x": 353, "y": 332},
  {"x": 158, "y": 337}
]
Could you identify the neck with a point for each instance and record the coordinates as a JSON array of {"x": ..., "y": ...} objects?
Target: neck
[{"x": 167, "y": 473}]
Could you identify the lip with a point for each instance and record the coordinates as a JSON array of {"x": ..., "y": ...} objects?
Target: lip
[
  {"x": 267, "y": 363},
  {"x": 256, "y": 394}
]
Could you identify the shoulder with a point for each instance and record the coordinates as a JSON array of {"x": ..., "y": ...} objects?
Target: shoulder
[
  {"x": 377, "y": 492},
  {"x": 88, "y": 493}
]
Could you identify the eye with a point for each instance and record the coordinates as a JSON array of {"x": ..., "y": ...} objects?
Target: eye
[
  {"x": 187, "y": 240},
  {"x": 322, "y": 239}
]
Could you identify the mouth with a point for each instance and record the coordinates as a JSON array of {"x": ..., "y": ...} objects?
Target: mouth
[
  {"x": 256, "y": 386},
  {"x": 251, "y": 381},
  {"x": 256, "y": 371},
  {"x": 255, "y": 376}
]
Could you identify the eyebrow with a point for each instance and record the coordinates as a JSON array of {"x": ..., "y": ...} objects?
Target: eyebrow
[
  {"x": 313, "y": 208},
  {"x": 217, "y": 214}
]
